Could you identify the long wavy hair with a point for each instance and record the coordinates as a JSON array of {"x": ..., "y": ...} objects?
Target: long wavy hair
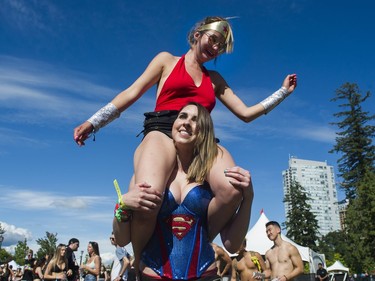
[
  {"x": 205, "y": 147},
  {"x": 57, "y": 259}
]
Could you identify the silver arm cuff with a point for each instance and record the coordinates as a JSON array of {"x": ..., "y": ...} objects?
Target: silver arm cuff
[
  {"x": 104, "y": 116},
  {"x": 275, "y": 99}
]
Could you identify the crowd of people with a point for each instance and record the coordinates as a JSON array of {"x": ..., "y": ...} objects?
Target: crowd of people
[
  {"x": 281, "y": 263},
  {"x": 62, "y": 265}
]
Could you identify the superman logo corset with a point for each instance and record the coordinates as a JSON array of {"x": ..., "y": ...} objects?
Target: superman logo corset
[{"x": 179, "y": 247}]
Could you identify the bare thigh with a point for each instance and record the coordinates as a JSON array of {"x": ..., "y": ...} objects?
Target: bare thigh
[
  {"x": 226, "y": 198},
  {"x": 154, "y": 160}
]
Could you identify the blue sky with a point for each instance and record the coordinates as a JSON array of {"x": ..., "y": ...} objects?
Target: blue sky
[{"x": 60, "y": 61}]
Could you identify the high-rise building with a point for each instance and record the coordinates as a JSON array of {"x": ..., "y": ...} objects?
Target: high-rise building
[
  {"x": 318, "y": 180},
  {"x": 343, "y": 206}
]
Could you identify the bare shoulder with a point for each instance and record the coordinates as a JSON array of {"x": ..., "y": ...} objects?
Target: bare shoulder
[
  {"x": 290, "y": 247},
  {"x": 166, "y": 57},
  {"x": 166, "y": 61}
]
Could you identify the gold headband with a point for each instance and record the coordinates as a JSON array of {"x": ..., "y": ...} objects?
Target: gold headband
[{"x": 224, "y": 29}]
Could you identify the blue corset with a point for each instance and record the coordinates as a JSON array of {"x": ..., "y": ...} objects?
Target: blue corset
[{"x": 179, "y": 247}]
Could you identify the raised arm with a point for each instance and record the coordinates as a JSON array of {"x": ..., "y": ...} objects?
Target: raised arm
[
  {"x": 248, "y": 113},
  {"x": 123, "y": 100}
]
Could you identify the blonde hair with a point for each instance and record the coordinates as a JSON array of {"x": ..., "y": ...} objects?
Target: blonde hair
[
  {"x": 205, "y": 147},
  {"x": 57, "y": 259}
]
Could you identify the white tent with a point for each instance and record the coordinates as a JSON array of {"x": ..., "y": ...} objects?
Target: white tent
[
  {"x": 257, "y": 240},
  {"x": 337, "y": 269},
  {"x": 337, "y": 266},
  {"x": 13, "y": 264}
]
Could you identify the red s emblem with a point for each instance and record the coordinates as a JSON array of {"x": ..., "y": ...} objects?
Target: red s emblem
[{"x": 180, "y": 224}]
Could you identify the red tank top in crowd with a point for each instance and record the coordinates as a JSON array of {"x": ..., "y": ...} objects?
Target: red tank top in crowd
[{"x": 179, "y": 89}]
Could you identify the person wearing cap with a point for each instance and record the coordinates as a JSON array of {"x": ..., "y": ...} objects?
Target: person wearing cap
[
  {"x": 179, "y": 80},
  {"x": 73, "y": 267}
]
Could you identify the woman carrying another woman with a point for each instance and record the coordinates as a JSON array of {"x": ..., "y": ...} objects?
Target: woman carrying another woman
[
  {"x": 57, "y": 267},
  {"x": 180, "y": 80},
  {"x": 180, "y": 247},
  {"x": 93, "y": 264}
]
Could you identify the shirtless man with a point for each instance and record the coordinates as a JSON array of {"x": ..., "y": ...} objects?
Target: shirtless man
[
  {"x": 247, "y": 264},
  {"x": 223, "y": 260},
  {"x": 283, "y": 261}
]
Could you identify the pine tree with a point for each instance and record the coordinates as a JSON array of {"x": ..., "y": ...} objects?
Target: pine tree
[
  {"x": 354, "y": 141},
  {"x": 360, "y": 221},
  {"x": 356, "y": 167},
  {"x": 301, "y": 223}
]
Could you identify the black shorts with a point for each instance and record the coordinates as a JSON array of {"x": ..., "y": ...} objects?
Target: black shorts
[{"x": 161, "y": 121}]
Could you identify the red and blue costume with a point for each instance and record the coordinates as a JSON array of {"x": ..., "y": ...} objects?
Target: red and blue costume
[{"x": 179, "y": 247}]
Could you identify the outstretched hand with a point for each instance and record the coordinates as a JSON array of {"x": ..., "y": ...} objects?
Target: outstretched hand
[
  {"x": 82, "y": 133},
  {"x": 142, "y": 198},
  {"x": 241, "y": 179},
  {"x": 290, "y": 82}
]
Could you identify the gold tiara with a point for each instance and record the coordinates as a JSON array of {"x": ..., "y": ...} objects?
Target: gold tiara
[{"x": 224, "y": 29}]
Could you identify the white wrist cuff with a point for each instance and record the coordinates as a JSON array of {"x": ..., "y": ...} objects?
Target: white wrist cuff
[
  {"x": 275, "y": 99},
  {"x": 104, "y": 116}
]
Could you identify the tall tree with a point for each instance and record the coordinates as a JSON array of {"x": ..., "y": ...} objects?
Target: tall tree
[
  {"x": 356, "y": 167},
  {"x": 354, "y": 140},
  {"x": 47, "y": 244},
  {"x": 301, "y": 223},
  {"x": 334, "y": 243},
  {"x": 360, "y": 221},
  {"x": 20, "y": 252}
]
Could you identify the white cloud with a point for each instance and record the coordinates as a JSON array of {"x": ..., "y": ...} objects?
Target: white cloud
[
  {"x": 14, "y": 234},
  {"x": 36, "y": 200},
  {"x": 34, "y": 92},
  {"x": 318, "y": 133}
]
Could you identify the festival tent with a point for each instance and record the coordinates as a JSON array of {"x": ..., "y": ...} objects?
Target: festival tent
[
  {"x": 13, "y": 264},
  {"x": 257, "y": 240},
  {"x": 337, "y": 271},
  {"x": 337, "y": 266}
]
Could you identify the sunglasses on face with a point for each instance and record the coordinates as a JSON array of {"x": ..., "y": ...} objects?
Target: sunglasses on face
[{"x": 214, "y": 41}]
